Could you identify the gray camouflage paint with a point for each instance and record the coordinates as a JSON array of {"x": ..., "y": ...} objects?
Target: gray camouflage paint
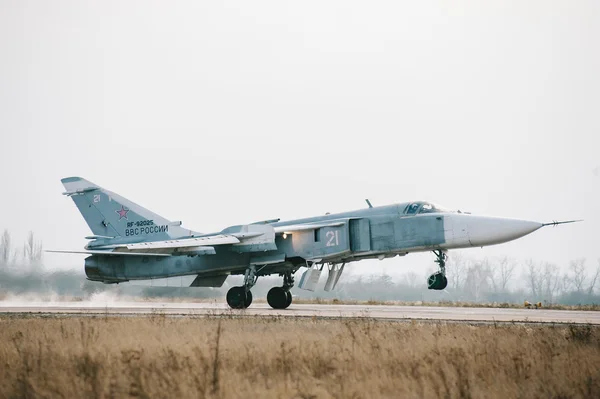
[{"x": 384, "y": 231}]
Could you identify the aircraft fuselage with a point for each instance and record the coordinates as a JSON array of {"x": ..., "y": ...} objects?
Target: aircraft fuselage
[{"x": 379, "y": 232}]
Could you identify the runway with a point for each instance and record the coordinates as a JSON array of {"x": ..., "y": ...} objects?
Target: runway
[{"x": 456, "y": 314}]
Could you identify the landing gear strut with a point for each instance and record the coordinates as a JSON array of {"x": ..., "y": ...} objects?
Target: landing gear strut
[
  {"x": 281, "y": 297},
  {"x": 438, "y": 280},
  {"x": 241, "y": 297}
]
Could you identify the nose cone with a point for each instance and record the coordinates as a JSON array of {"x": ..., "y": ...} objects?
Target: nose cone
[{"x": 485, "y": 230}]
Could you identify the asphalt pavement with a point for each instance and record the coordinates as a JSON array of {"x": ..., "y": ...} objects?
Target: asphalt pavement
[{"x": 457, "y": 314}]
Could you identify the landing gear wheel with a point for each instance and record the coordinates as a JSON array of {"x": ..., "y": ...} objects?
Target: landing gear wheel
[
  {"x": 444, "y": 283},
  {"x": 437, "y": 281},
  {"x": 237, "y": 297},
  {"x": 430, "y": 284},
  {"x": 278, "y": 298},
  {"x": 248, "y": 300},
  {"x": 289, "y": 299}
]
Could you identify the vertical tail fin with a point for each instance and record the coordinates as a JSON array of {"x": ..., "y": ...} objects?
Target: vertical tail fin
[{"x": 110, "y": 215}]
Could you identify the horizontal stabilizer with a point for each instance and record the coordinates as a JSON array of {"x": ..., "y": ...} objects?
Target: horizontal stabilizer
[{"x": 107, "y": 253}]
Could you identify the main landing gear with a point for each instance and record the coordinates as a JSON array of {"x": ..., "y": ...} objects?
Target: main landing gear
[
  {"x": 278, "y": 297},
  {"x": 241, "y": 297},
  {"x": 281, "y": 297},
  {"x": 438, "y": 280}
]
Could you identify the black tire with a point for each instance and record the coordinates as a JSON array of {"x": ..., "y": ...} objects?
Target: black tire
[
  {"x": 248, "y": 300},
  {"x": 443, "y": 283},
  {"x": 289, "y": 299},
  {"x": 277, "y": 298},
  {"x": 437, "y": 281},
  {"x": 236, "y": 297}
]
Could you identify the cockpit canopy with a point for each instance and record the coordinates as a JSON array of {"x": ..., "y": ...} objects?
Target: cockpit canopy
[{"x": 423, "y": 207}]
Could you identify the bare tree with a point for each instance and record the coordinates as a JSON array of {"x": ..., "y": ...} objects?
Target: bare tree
[
  {"x": 567, "y": 283},
  {"x": 494, "y": 276},
  {"x": 501, "y": 273},
  {"x": 577, "y": 274},
  {"x": 477, "y": 279},
  {"x": 457, "y": 266},
  {"x": 551, "y": 281},
  {"x": 533, "y": 276},
  {"x": 32, "y": 250},
  {"x": 594, "y": 279},
  {"x": 5, "y": 249},
  {"x": 507, "y": 270},
  {"x": 411, "y": 279}
]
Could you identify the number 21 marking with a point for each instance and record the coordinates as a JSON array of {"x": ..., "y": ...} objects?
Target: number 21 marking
[{"x": 333, "y": 238}]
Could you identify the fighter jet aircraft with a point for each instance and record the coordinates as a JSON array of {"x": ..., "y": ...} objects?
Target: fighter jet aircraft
[{"x": 132, "y": 243}]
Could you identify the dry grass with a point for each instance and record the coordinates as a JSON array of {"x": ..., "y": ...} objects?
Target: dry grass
[{"x": 274, "y": 357}]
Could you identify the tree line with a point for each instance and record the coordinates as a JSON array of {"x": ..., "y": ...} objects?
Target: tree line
[{"x": 29, "y": 253}]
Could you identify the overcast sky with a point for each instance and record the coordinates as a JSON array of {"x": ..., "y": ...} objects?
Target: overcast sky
[{"x": 222, "y": 113}]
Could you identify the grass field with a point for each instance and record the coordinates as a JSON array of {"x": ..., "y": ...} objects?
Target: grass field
[{"x": 274, "y": 357}]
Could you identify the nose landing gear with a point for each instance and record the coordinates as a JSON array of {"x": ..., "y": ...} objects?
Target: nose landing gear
[{"x": 438, "y": 280}]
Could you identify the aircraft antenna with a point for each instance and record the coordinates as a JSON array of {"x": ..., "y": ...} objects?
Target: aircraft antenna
[{"x": 369, "y": 203}]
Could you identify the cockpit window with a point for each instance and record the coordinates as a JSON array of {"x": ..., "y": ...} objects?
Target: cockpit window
[
  {"x": 423, "y": 207},
  {"x": 432, "y": 208},
  {"x": 440, "y": 209},
  {"x": 412, "y": 208},
  {"x": 427, "y": 208}
]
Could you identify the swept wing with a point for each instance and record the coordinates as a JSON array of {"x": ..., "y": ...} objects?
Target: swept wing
[{"x": 108, "y": 253}]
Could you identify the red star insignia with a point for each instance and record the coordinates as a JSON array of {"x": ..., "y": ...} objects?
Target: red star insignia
[{"x": 122, "y": 212}]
